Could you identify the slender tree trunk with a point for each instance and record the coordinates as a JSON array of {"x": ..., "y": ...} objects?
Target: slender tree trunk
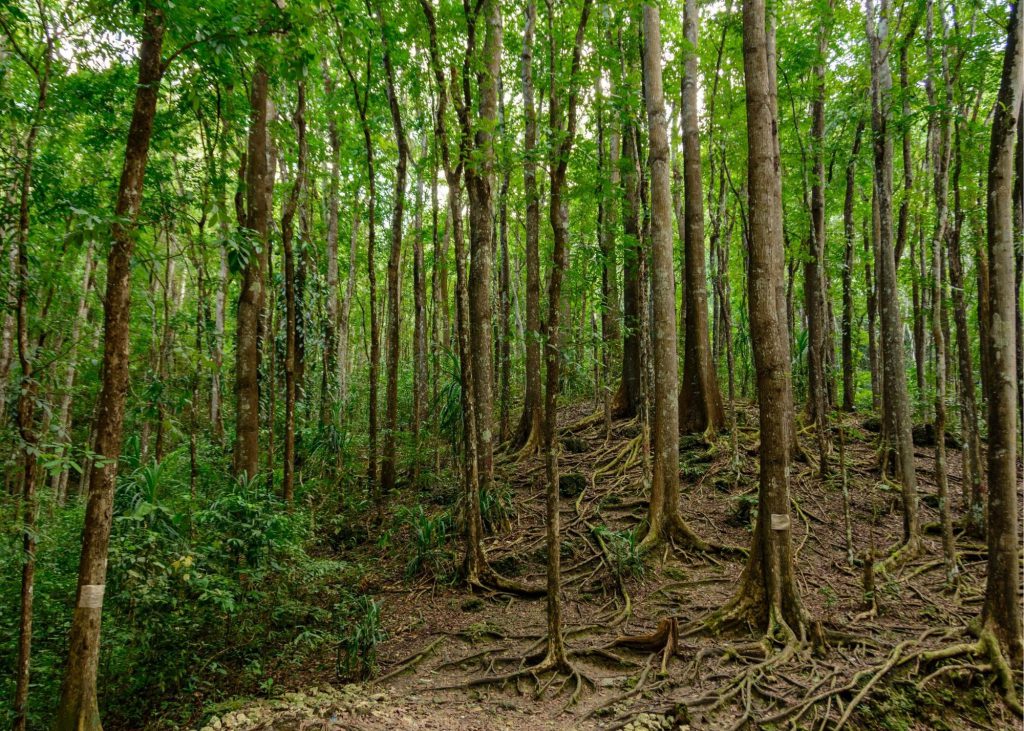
[
  {"x": 344, "y": 316},
  {"x": 663, "y": 513},
  {"x": 332, "y": 340},
  {"x": 251, "y": 298},
  {"x": 817, "y": 266},
  {"x": 896, "y": 400},
  {"x": 973, "y": 485},
  {"x": 849, "y": 368},
  {"x": 563, "y": 129},
  {"x": 768, "y": 592},
  {"x": 505, "y": 307},
  {"x": 629, "y": 397},
  {"x": 610, "y": 193},
  {"x": 217, "y": 366},
  {"x": 419, "y": 358},
  {"x": 475, "y": 562},
  {"x": 389, "y": 459},
  {"x": 78, "y": 709},
  {"x": 290, "y": 296},
  {"x": 944, "y": 140},
  {"x": 1001, "y": 613},
  {"x": 480, "y": 189},
  {"x": 60, "y": 479},
  {"x": 700, "y": 398},
  {"x": 27, "y": 395}
]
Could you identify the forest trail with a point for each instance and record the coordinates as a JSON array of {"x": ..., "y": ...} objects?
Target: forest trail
[{"x": 439, "y": 635}]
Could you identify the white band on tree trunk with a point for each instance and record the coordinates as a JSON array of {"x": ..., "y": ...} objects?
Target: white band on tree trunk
[
  {"x": 780, "y": 521},
  {"x": 91, "y": 596}
]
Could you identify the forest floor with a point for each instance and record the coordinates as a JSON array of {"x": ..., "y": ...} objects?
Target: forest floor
[{"x": 447, "y": 648}]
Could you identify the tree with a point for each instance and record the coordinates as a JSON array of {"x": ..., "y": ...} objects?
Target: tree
[
  {"x": 700, "y": 398},
  {"x": 387, "y": 466},
  {"x": 78, "y": 709},
  {"x": 663, "y": 514},
  {"x": 1001, "y": 611},
  {"x": 896, "y": 402},
  {"x": 291, "y": 306},
  {"x": 252, "y": 294},
  {"x": 563, "y": 133},
  {"x": 816, "y": 268},
  {"x": 768, "y": 594},
  {"x": 528, "y": 433}
]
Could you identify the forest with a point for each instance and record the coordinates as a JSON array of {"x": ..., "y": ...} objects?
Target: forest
[{"x": 511, "y": 364}]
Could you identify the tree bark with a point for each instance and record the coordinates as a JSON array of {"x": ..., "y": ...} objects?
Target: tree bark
[
  {"x": 849, "y": 368},
  {"x": 663, "y": 512},
  {"x": 944, "y": 146},
  {"x": 27, "y": 392},
  {"x": 700, "y": 398},
  {"x": 816, "y": 293},
  {"x": 78, "y": 709},
  {"x": 362, "y": 101},
  {"x": 1001, "y": 612},
  {"x": 419, "y": 356},
  {"x": 252, "y": 295},
  {"x": 896, "y": 402},
  {"x": 768, "y": 592},
  {"x": 291, "y": 306},
  {"x": 563, "y": 129},
  {"x": 479, "y": 175},
  {"x": 389, "y": 458},
  {"x": 527, "y": 435}
]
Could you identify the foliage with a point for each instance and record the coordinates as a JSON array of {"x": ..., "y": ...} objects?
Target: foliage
[
  {"x": 359, "y": 632},
  {"x": 622, "y": 547},
  {"x": 428, "y": 549}
]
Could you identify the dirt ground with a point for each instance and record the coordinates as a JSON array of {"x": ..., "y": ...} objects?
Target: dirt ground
[{"x": 447, "y": 648}]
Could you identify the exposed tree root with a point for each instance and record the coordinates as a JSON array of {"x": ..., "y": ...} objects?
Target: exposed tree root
[
  {"x": 901, "y": 555},
  {"x": 678, "y": 531},
  {"x": 557, "y": 667},
  {"x": 491, "y": 580},
  {"x": 410, "y": 662}
]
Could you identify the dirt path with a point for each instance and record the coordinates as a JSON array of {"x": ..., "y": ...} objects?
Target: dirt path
[{"x": 441, "y": 635}]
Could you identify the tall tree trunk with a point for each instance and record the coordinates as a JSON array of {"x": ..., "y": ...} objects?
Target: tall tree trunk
[
  {"x": 768, "y": 593},
  {"x": 896, "y": 400},
  {"x": 870, "y": 245},
  {"x": 474, "y": 564},
  {"x": 331, "y": 381},
  {"x": 252, "y": 295},
  {"x": 563, "y": 129},
  {"x": 1001, "y": 613},
  {"x": 817, "y": 266},
  {"x": 610, "y": 194},
  {"x": 362, "y": 100},
  {"x": 663, "y": 512},
  {"x": 344, "y": 316},
  {"x": 849, "y": 368},
  {"x": 479, "y": 176},
  {"x": 419, "y": 356},
  {"x": 27, "y": 392},
  {"x": 217, "y": 365},
  {"x": 389, "y": 458},
  {"x": 973, "y": 485},
  {"x": 60, "y": 479},
  {"x": 700, "y": 398},
  {"x": 944, "y": 144},
  {"x": 528, "y": 433},
  {"x": 629, "y": 396},
  {"x": 290, "y": 297},
  {"x": 78, "y": 709}
]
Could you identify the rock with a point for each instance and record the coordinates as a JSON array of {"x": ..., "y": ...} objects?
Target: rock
[{"x": 216, "y": 723}]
